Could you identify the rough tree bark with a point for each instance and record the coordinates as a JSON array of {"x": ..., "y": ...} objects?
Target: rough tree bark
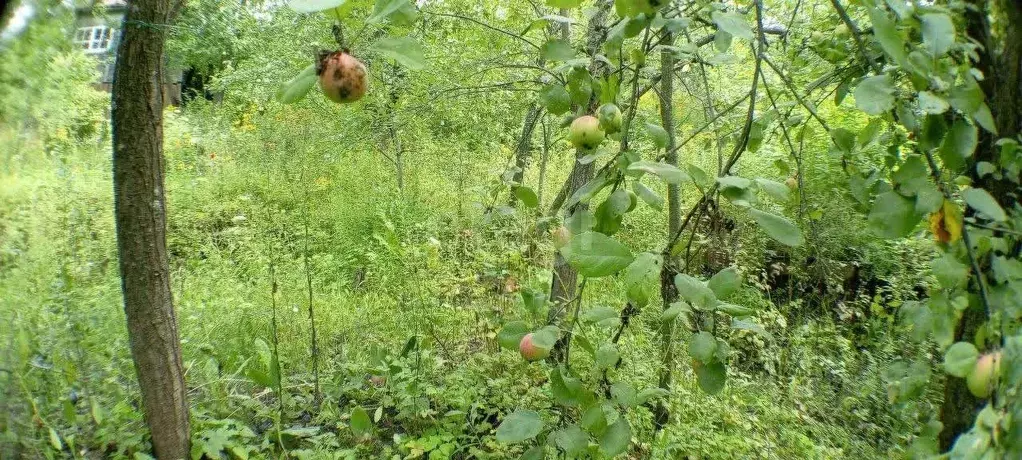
[
  {"x": 668, "y": 291},
  {"x": 137, "y": 120},
  {"x": 565, "y": 279},
  {"x": 1001, "y": 62}
]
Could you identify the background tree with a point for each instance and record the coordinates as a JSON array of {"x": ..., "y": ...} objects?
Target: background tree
[{"x": 140, "y": 207}]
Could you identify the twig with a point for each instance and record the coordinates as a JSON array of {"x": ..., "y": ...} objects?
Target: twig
[{"x": 481, "y": 23}]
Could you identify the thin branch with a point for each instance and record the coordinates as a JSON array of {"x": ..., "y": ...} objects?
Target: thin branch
[
  {"x": 794, "y": 93},
  {"x": 481, "y": 23},
  {"x": 856, "y": 34}
]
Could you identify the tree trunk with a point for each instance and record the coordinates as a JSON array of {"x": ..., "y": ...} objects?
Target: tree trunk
[
  {"x": 565, "y": 279},
  {"x": 1001, "y": 61},
  {"x": 532, "y": 116},
  {"x": 137, "y": 118},
  {"x": 544, "y": 159},
  {"x": 668, "y": 291},
  {"x": 525, "y": 143}
]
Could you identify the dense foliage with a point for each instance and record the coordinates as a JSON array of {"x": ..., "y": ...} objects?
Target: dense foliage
[{"x": 774, "y": 228}]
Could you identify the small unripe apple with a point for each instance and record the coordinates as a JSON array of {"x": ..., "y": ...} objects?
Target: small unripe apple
[
  {"x": 988, "y": 369},
  {"x": 561, "y": 236},
  {"x": 585, "y": 133},
  {"x": 792, "y": 183},
  {"x": 633, "y": 201},
  {"x": 530, "y": 351},
  {"x": 611, "y": 118}
]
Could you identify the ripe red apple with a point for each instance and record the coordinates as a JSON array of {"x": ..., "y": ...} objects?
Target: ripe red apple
[
  {"x": 343, "y": 78},
  {"x": 530, "y": 351},
  {"x": 988, "y": 369},
  {"x": 586, "y": 133}
]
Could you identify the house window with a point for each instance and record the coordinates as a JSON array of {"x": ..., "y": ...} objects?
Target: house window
[{"x": 94, "y": 40}]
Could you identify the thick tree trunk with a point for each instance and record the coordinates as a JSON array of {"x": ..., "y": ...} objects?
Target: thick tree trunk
[
  {"x": 137, "y": 117},
  {"x": 668, "y": 291},
  {"x": 1001, "y": 62}
]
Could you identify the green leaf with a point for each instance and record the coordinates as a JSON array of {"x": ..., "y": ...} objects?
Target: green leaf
[
  {"x": 598, "y": 314},
  {"x": 296, "y": 89},
  {"x": 938, "y": 33},
  {"x": 533, "y": 299},
  {"x": 565, "y": 388},
  {"x": 640, "y": 276},
  {"x": 658, "y": 134},
  {"x": 912, "y": 175},
  {"x": 950, "y": 272},
  {"x": 702, "y": 346},
  {"x": 887, "y": 35},
  {"x": 776, "y": 190},
  {"x": 607, "y": 356},
  {"x": 875, "y": 95},
  {"x": 534, "y": 453},
  {"x": 312, "y": 6},
  {"x": 650, "y": 197},
  {"x": 97, "y": 412},
  {"x": 932, "y": 104},
  {"x": 778, "y": 228},
  {"x": 869, "y": 133},
  {"x": 893, "y": 216},
  {"x": 617, "y": 438},
  {"x": 960, "y": 358},
  {"x": 587, "y": 191},
  {"x": 676, "y": 309},
  {"x": 545, "y": 337},
  {"x": 724, "y": 283},
  {"x": 711, "y": 376},
  {"x": 360, "y": 423},
  {"x": 527, "y": 195},
  {"x": 571, "y": 439},
  {"x": 649, "y": 393},
  {"x": 669, "y": 173},
  {"x": 510, "y": 336},
  {"x": 623, "y": 393},
  {"x": 555, "y": 98},
  {"x": 982, "y": 201},
  {"x": 959, "y": 144},
  {"x": 732, "y": 23},
  {"x": 734, "y": 182},
  {"x": 843, "y": 139},
  {"x": 55, "y": 440},
  {"x": 557, "y": 50},
  {"x": 596, "y": 255},
  {"x": 384, "y": 9},
  {"x": 751, "y": 327},
  {"x": 738, "y": 311},
  {"x": 594, "y": 420},
  {"x": 404, "y": 50},
  {"x": 521, "y": 425},
  {"x": 695, "y": 291}
]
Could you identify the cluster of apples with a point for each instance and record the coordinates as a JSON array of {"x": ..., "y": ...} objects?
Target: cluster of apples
[{"x": 588, "y": 132}]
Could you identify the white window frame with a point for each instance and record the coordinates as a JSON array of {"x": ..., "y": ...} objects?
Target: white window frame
[{"x": 95, "y": 39}]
